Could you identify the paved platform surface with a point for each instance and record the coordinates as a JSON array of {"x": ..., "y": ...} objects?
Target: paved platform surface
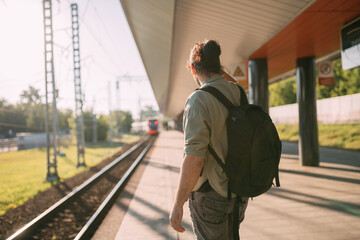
[{"x": 312, "y": 202}]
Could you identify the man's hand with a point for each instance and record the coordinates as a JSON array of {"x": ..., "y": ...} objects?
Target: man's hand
[
  {"x": 189, "y": 174},
  {"x": 176, "y": 217}
]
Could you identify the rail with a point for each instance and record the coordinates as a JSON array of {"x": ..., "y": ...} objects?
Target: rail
[{"x": 29, "y": 228}]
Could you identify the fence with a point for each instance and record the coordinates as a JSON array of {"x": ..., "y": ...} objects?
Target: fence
[
  {"x": 8, "y": 144},
  {"x": 337, "y": 110},
  {"x": 32, "y": 140}
]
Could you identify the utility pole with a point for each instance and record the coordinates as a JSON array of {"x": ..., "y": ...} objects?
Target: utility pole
[
  {"x": 110, "y": 122},
  {"x": 94, "y": 135},
  {"x": 140, "y": 110},
  {"x": 130, "y": 79},
  {"x": 118, "y": 94},
  {"x": 79, "y": 119},
  {"x": 50, "y": 95},
  {"x": 117, "y": 87},
  {"x": 140, "y": 115}
]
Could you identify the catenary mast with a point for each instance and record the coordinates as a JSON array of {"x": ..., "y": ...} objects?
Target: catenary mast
[
  {"x": 79, "y": 119},
  {"x": 50, "y": 95}
]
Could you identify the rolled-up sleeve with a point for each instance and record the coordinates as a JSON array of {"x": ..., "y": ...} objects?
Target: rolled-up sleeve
[{"x": 196, "y": 128}]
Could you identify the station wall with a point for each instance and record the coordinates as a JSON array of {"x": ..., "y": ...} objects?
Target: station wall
[{"x": 337, "y": 110}]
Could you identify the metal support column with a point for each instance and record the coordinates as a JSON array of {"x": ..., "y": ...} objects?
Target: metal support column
[
  {"x": 258, "y": 83},
  {"x": 110, "y": 117},
  {"x": 94, "y": 132},
  {"x": 118, "y": 102},
  {"x": 306, "y": 97},
  {"x": 50, "y": 95},
  {"x": 79, "y": 119}
]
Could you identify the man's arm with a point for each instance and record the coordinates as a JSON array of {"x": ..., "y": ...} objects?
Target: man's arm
[{"x": 190, "y": 172}]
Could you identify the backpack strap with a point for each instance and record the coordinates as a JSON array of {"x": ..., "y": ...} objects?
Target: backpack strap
[
  {"x": 222, "y": 165},
  {"x": 220, "y": 97},
  {"x": 243, "y": 101},
  {"x": 236, "y": 222},
  {"x": 216, "y": 93},
  {"x": 212, "y": 151},
  {"x": 243, "y": 97}
]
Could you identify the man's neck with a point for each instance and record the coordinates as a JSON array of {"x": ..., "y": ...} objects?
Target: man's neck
[{"x": 202, "y": 78}]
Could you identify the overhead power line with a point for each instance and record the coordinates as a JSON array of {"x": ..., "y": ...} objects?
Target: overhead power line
[
  {"x": 12, "y": 125},
  {"x": 10, "y": 111}
]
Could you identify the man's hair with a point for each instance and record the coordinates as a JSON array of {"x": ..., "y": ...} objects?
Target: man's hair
[{"x": 205, "y": 57}]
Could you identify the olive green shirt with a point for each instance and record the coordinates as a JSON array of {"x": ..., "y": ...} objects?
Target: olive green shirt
[{"x": 204, "y": 123}]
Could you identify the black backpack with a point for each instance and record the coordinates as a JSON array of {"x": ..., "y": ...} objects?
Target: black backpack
[{"x": 254, "y": 147}]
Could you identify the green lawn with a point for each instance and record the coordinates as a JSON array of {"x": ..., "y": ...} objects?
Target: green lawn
[
  {"x": 345, "y": 136},
  {"x": 23, "y": 173}
]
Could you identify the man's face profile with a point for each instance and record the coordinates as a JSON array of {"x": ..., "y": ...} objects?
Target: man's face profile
[{"x": 196, "y": 79}]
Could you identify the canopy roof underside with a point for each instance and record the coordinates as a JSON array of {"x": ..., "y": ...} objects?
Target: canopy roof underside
[{"x": 279, "y": 30}]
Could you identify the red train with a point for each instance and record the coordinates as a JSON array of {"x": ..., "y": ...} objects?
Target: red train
[{"x": 153, "y": 126}]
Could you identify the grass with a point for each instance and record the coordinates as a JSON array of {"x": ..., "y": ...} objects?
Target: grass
[
  {"x": 23, "y": 173},
  {"x": 346, "y": 136}
]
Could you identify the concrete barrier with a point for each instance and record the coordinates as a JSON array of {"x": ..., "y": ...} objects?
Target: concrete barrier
[{"x": 337, "y": 110}]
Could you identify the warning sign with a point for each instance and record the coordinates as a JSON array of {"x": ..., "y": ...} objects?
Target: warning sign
[
  {"x": 238, "y": 72},
  {"x": 326, "y": 73}
]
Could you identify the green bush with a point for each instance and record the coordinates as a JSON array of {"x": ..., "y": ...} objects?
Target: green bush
[{"x": 345, "y": 136}]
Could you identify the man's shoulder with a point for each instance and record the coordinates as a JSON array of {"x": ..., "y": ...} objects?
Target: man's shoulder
[{"x": 196, "y": 96}]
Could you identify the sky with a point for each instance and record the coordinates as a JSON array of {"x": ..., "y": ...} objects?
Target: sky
[{"x": 107, "y": 52}]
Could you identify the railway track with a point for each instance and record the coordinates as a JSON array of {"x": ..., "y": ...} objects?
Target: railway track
[{"x": 78, "y": 214}]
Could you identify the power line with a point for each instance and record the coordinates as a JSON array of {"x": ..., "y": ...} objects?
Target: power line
[
  {"x": 100, "y": 45},
  {"x": 86, "y": 8},
  {"x": 10, "y": 111},
  {"x": 104, "y": 26},
  {"x": 19, "y": 126}
]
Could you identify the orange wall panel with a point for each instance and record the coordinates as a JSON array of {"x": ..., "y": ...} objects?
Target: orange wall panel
[{"x": 315, "y": 32}]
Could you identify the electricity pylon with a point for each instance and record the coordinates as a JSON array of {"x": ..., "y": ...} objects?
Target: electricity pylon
[
  {"x": 50, "y": 95},
  {"x": 79, "y": 119}
]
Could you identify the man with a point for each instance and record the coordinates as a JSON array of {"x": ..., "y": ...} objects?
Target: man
[{"x": 202, "y": 180}]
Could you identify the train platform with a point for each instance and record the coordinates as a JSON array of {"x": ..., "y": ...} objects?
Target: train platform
[{"x": 312, "y": 202}]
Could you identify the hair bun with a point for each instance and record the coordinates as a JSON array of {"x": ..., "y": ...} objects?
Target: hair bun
[{"x": 212, "y": 49}]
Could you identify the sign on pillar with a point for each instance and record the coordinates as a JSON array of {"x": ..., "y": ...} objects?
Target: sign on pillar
[
  {"x": 326, "y": 73},
  {"x": 239, "y": 74}
]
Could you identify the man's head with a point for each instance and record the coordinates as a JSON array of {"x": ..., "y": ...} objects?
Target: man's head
[{"x": 205, "y": 59}]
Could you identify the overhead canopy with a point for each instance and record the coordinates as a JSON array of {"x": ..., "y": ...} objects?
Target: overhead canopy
[{"x": 279, "y": 30}]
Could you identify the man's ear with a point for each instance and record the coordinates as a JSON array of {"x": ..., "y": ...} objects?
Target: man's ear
[{"x": 193, "y": 69}]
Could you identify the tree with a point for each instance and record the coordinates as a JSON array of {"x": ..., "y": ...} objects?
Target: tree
[
  {"x": 29, "y": 114},
  {"x": 345, "y": 82},
  {"x": 102, "y": 126},
  {"x": 88, "y": 125},
  {"x": 30, "y": 96},
  {"x": 283, "y": 92},
  {"x": 122, "y": 121},
  {"x": 148, "y": 112},
  {"x": 34, "y": 109},
  {"x": 65, "y": 117},
  {"x": 11, "y": 118}
]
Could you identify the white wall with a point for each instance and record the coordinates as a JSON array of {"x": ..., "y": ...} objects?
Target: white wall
[{"x": 344, "y": 109}]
